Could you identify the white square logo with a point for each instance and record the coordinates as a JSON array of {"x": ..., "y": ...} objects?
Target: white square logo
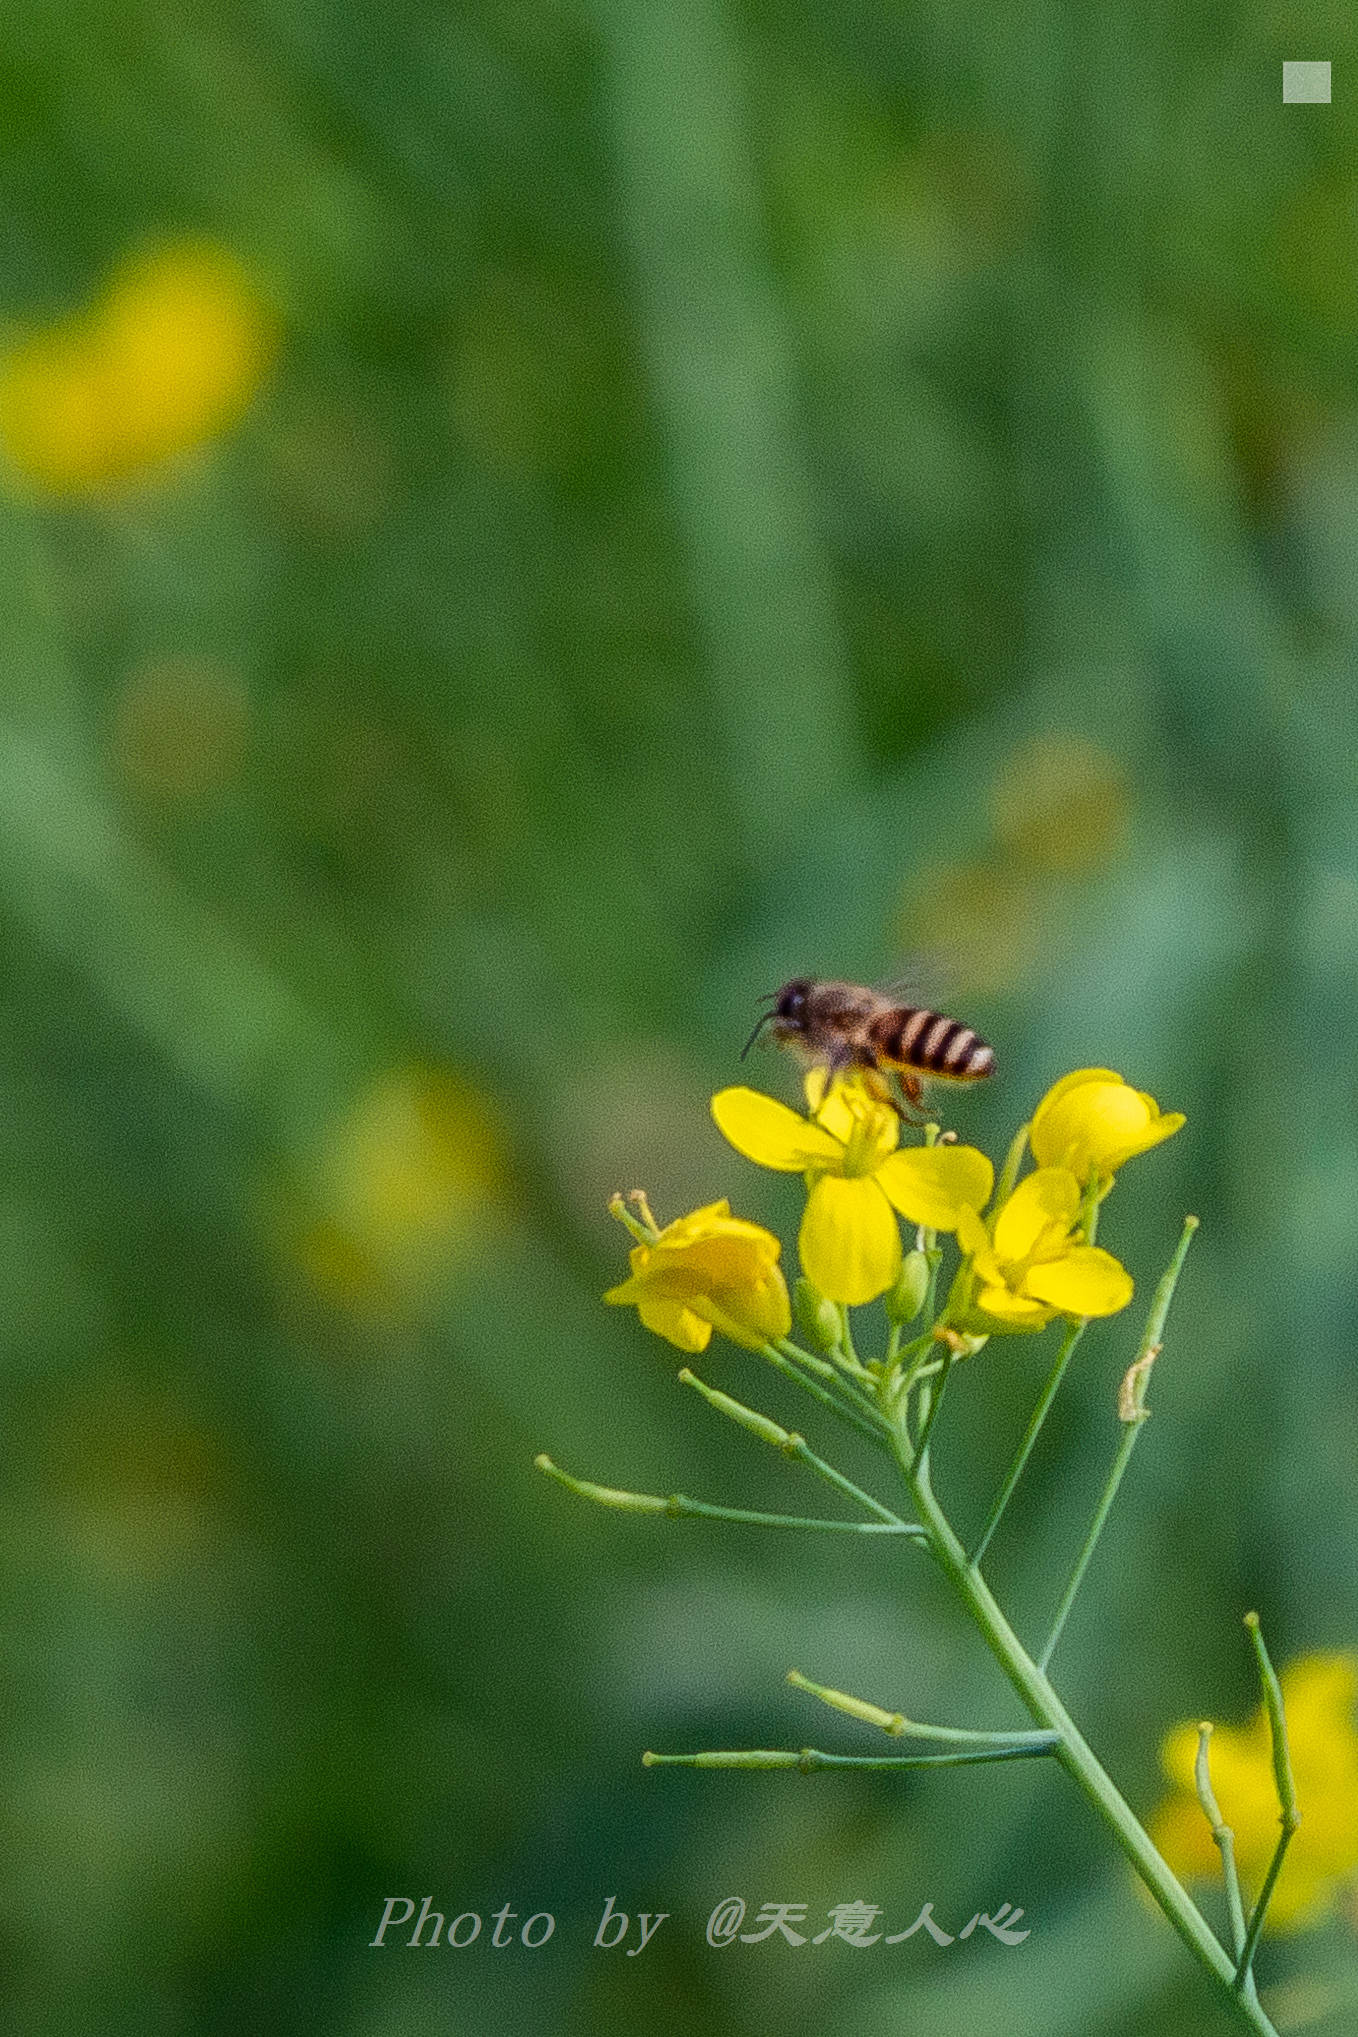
[{"x": 1306, "y": 84}]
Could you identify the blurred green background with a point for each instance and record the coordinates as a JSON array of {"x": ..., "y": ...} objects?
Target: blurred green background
[{"x": 733, "y": 491}]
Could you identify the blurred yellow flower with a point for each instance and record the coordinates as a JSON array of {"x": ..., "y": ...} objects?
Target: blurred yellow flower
[
  {"x": 1318, "y": 1694},
  {"x": 850, "y": 1242},
  {"x": 409, "y": 1181},
  {"x": 169, "y": 356},
  {"x": 1059, "y": 803},
  {"x": 1036, "y": 1265},
  {"x": 704, "y": 1271},
  {"x": 1093, "y": 1121}
]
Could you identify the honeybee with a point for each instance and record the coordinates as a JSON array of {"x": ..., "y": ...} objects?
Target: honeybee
[{"x": 843, "y": 1025}]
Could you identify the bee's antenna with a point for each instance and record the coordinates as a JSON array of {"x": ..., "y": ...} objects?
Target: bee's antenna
[{"x": 759, "y": 1026}]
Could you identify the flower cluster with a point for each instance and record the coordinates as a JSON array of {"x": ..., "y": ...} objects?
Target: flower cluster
[
  {"x": 1282, "y": 1825},
  {"x": 168, "y": 357},
  {"x": 1026, "y": 1258}
]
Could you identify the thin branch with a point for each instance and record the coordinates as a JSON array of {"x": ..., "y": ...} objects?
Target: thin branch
[
  {"x": 1030, "y": 1436},
  {"x": 1224, "y": 1837},
  {"x": 1009, "y": 1173},
  {"x": 868, "y": 1424},
  {"x": 808, "y": 1758},
  {"x": 936, "y": 1390},
  {"x": 678, "y": 1506},
  {"x": 790, "y": 1443},
  {"x": 1289, "y": 1815},
  {"x": 899, "y": 1726},
  {"x": 1133, "y": 1414}
]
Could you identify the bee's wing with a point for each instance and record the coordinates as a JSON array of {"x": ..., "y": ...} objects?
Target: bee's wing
[{"x": 921, "y": 978}]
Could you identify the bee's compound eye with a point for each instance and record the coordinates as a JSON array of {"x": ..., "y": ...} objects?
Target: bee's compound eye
[{"x": 792, "y": 1000}]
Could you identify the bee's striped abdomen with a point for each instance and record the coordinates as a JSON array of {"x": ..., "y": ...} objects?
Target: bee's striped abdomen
[{"x": 936, "y": 1045}]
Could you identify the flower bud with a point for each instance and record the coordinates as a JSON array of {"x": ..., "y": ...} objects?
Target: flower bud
[
  {"x": 819, "y": 1319},
  {"x": 905, "y": 1300}
]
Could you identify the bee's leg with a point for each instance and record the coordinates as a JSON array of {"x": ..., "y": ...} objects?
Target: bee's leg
[
  {"x": 913, "y": 1091},
  {"x": 835, "y": 1062},
  {"x": 879, "y": 1088}
]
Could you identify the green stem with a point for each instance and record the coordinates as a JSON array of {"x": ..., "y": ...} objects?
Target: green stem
[
  {"x": 1009, "y": 1173},
  {"x": 1224, "y": 1838},
  {"x": 899, "y": 1726},
  {"x": 853, "y": 1380},
  {"x": 678, "y": 1506},
  {"x": 808, "y": 1758},
  {"x": 822, "y": 1367},
  {"x": 1133, "y": 1413},
  {"x": 797, "y": 1447},
  {"x": 1289, "y": 1814},
  {"x": 1091, "y": 1541},
  {"x": 1072, "y": 1750},
  {"x": 1030, "y": 1436},
  {"x": 935, "y": 1391},
  {"x": 868, "y": 1421},
  {"x": 790, "y": 1443}
]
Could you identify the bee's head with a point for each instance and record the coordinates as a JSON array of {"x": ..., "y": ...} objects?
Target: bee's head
[
  {"x": 789, "y": 1005},
  {"x": 785, "y": 1014}
]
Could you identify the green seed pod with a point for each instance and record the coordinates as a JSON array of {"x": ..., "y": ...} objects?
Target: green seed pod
[
  {"x": 906, "y": 1298},
  {"x": 819, "y": 1319}
]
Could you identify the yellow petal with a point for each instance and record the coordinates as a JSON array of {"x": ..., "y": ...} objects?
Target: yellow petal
[
  {"x": 1089, "y": 1124},
  {"x": 1046, "y": 1199},
  {"x": 974, "y": 1239},
  {"x": 825, "y": 1102},
  {"x": 933, "y": 1184},
  {"x": 770, "y": 1134},
  {"x": 697, "y": 1223},
  {"x": 674, "y": 1321},
  {"x": 713, "y": 1261},
  {"x": 850, "y": 1243},
  {"x": 768, "y": 1309},
  {"x": 1093, "y": 1122},
  {"x": 1085, "y": 1281},
  {"x": 715, "y": 1225},
  {"x": 1163, "y": 1125},
  {"x": 1015, "y": 1311},
  {"x": 1069, "y": 1082},
  {"x": 972, "y": 1235},
  {"x": 752, "y": 1315}
]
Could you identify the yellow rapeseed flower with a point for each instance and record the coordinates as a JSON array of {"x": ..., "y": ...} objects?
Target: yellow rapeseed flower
[
  {"x": 1036, "y": 1264},
  {"x": 169, "y": 356},
  {"x": 1093, "y": 1121},
  {"x": 1322, "y": 1860},
  {"x": 709, "y": 1270},
  {"x": 406, "y": 1185},
  {"x": 850, "y": 1241}
]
